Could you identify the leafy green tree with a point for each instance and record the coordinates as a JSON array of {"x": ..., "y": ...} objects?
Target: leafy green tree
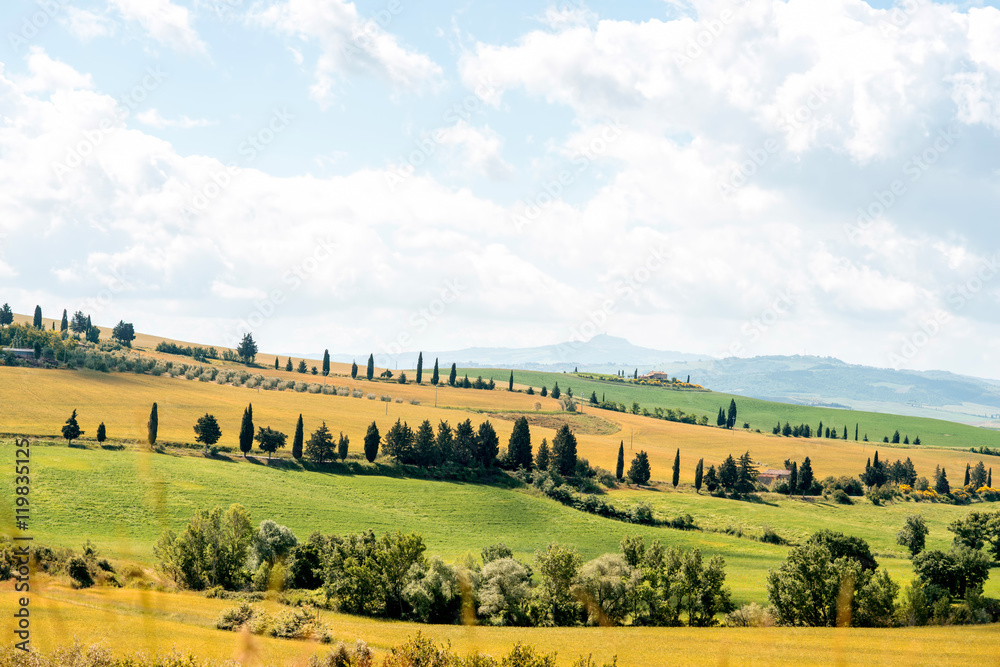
[
  {"x": 298, "y": 439},
  {"x": 676, "y": 469},
  {"x": 247, "y": 349},
  {"x": 977, "y": 530},
  {"x": 207, "y": 431},
  {"x": 504, "y": 592},
  {"x": 519, "y": 445},
  {"x": 435, "y": 376},
  {"x": 711, "y": 479},
  {"x": 372, "y": 439},
  {"x": 93, "y": 334},
  {"x": 354, "y": 371},
  {"x": 544, "y": 392},
  {"x": 845, "y": 546},
  {"x": 620, "y": 464},
  {"x": 71, "y": 431},
  {"x": 420, "y": 368},
  {"x": 326, "y": 363},
  {"x": 699, "y": 473},
  {"x": 543, "y": 458},
  {"x": 639, "y": 471},
  {"x": 607, "y": 582},
  {"x": 319, "y": 447},
  {"x": 978, "y": 477},
  {"x": 557, "y": 567},
  {"x": 701, "y": 589},
  {"x": 424, "y": 453},
  {"x": 343, "y": 443},
  {"x": 124, "y": 333},
  {"x": 959, "y": 571},
  {"x": 152, "y": 426},
  {"x": 246, "y": 430},
  {"x": 399, "y": 442},
  {"x": 564, "y": 450},
  {"x": 102, "y": 433},
  {"x": 370, "y": 372},
  {"x": 453, "y": 375},
  {"x": 269, "y": 440},
  {"x": 64, "y": 323},
  {"x": 913, "y": 534},
  {"x": 6, "y": 315},
  {"x": 211, "y": 551},
  {"x": 37, "y": 321},
  {"x": 432, "y": 592},
  {"x": 555, "y": 392}
]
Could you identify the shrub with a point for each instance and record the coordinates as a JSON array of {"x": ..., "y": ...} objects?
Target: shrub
[
  {"x": 78, "y": 571},
  {"x": 301, "y": 387},
  {"x": 840, "y": 496},
  {"x": 371, "y": 397},
  {"x": 315, "y": 388},
  {"x": 399, "y": 400},
  {"x": 414, "y": 401},
  {"x": 750, "y": 616},
  {"x": 235, "y": 617},
  {"x": 357, "y": 393},
  {"x": 643, "y": 513}
]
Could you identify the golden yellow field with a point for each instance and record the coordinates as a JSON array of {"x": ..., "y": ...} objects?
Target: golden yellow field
[
  {"x": 38, "y": 402},
  {"x": 131, "y": 620}
]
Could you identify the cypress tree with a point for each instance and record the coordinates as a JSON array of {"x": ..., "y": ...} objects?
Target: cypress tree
[
  {"x": 699, "y": 472},
  {"x": 326, "y": 364},
  {"x": 805, "y": 476},
  {"x": 288, "y": 364},
  {"x": 968, "y": 472},
  {"x": 543, "y": 459},
  {"x": 731, "y": 418},
  {"x": 151, "y": 426},
  {"x": 370, "y": 373},
  {"x": 856, "y": 426},
  {"x": 354, "y": 371},
  {"x": 38, "y": 317},
  {"x": 845, "y": 432},
  {"x": 453, "y": 375},
  {"x": 620, "y": 467},
  {"x": 420, "y": 368},
  {"x": 793, "y": 478},
  {"x": 102, "y": 433},
  {"x": 246, "y": 431},
  {"x": 64, "y": 324},
  {"x": 519, "y": 446},
  {"x": 819, "y": 431},
  {"x": 435, "y": 378},
  {"x": 298, "y": 439},
  {"x": 677, "y": 469},
  {"x": 942, "y": 485},
  {"x": 720, "y": 420},
  {"x": 510, "y": 382},
  {"x": 989, "y": 478},
  {"x": 276, "y": 363},
  {"x": 564, "y": 450},
  {"x": 372, "y": 438}
]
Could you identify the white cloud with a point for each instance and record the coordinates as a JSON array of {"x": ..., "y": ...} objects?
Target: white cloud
[
  {"x": 52, "y": 75},
  {"x": 349, "y": 44},
  {"x": 477, "y": 150},
  {"x": 87, "y": 25},
  {"x": 165, "y": 22},
  {"x": 153, "y": 118}
]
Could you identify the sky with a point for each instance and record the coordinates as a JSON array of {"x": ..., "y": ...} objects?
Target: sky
[{"x": 727, "y": 178}]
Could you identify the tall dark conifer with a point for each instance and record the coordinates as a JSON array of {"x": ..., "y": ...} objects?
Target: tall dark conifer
[
  {"x": 246, "y": 431},
  {"x": 620, "y": 466},
  {"x": 64, "y": 324},
  {"x": 677, "y": 469},
  {"x": 370, "y": 372},
  {"x": 453, "y": 375},
  {"x": 151, "y": 426},
  {"x": 793, "y": 478},
  {"x": 699, "y": 473},
  {"x": 420, "y": 368},
  {"x": 298, "y": 439},
  {"x": 326, "y": 364},
  {"x": 510, "y": 382},
  {"x": 37, "y": 321},
  {"x": 519, "y": 445},
  {"x": 372, "y": 439},
  {"x": 435, "y": 377}
]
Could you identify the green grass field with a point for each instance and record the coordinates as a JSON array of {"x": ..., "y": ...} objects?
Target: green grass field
[{"x": 759, "y": 414}]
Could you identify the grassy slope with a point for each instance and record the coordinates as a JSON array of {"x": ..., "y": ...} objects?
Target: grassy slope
[
  {"x": 760, "y": 414},
  {"x": 142, "y": 620}
]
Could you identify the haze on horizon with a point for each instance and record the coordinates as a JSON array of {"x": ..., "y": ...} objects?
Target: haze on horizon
[{"x": 719, "y": 178}]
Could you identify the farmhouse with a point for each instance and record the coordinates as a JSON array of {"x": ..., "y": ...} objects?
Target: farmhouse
[
  {"x": 656, "y": 375},
  {"x": 23, "y": 353},
  {"x": 769, "y": 477}
]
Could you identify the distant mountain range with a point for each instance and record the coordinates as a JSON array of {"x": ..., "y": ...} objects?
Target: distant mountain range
[{"x": 805, "y": 380}]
